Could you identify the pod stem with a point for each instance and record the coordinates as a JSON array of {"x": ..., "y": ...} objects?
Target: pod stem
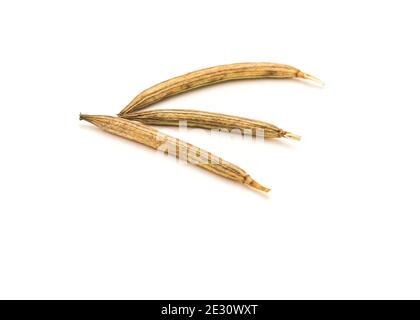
[{"x": 85, "y": 117}]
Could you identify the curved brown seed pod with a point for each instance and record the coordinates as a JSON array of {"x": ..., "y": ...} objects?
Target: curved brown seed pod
[
  {"x": 205, "y": 77},
  {"x": 209, "y": 120},
  {"x": 182, "y": 150}
]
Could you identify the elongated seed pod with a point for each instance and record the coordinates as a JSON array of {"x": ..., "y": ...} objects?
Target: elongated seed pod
[
  {"x": 205, "y": 77},
  {"x": 182, "y": 150},
  {"x": 209, "y": 120}
]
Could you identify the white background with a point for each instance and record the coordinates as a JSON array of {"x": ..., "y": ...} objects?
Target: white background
[{"x": 84, "y": 214}]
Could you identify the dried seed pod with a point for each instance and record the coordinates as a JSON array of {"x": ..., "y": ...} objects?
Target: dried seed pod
[
  {"x": 182, "y": 150},
  {"x": 209, "y": 120},
  {"x": 205, "y": 77}
]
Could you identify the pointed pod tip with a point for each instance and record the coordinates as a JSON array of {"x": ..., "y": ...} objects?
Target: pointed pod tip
[
  {"x": 292, "y": 136},
  {"x": 306, "y": 76},
  {"x": 129, "y": 108},
  {"x": 128, "y": 116},
  {"x": 254, "y": 184}
]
